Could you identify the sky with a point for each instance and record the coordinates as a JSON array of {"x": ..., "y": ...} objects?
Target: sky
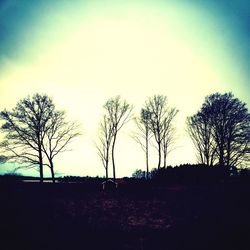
[{"x": 81, "y": 53}]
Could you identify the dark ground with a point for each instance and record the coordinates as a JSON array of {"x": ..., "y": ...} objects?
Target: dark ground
[{"x": 77, "y": 216}]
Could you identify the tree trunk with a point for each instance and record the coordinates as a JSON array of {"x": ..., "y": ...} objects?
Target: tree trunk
[
  {"x": 207, "y": 158},
  {"x": 221, "y": 156},
  {"x": 207, "y": 161},
  {"x": 147, "y": 157},
  {"x": 52, "y": 171},
  {"x": 40, "y": 163},
  {"x": 106, "y": 169},
  {"x": 228, "y": 154},
  {"x": 107, "y": 161},
  {"x": 159, "y": 153},
  {"x": 113, "y": 157},
  {"x": 165, "y": 159}
]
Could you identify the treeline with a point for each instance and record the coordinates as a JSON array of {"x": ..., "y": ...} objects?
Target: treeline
[
  {"x": 184, "y": 174},
  {"x": 16, "y": 178},
  {"x": 35, "y": 132},
  {"x": 189, "y": 174}
]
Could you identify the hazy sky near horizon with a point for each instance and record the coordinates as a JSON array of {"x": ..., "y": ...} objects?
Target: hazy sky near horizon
[{"x": 83, "y": 52}]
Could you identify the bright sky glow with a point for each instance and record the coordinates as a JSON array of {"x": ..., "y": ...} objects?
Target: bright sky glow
[{"x": 85, "y": 52}]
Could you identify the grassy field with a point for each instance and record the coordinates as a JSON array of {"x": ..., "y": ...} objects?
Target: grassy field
[{"x": 79, "y": 216}]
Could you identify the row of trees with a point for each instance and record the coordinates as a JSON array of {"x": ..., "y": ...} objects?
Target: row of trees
[
  {"x": 220, "y": 130},
  {"x": 35, "y": 132},
  {"x": 155, "y": 120}
]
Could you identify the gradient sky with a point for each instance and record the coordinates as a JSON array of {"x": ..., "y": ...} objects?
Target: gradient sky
[{"x": 83, "y": 52}]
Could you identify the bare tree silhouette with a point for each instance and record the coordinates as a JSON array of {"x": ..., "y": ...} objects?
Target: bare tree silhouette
[
  {"x": 221, "y": 130},
  {"x": 105, "y": 139},
  {"x": 34, "y": 129},
  {"x": 25, "y": 127},
  {"x": 118, "y": 114},
  {"x": 200, "y": 131},
  {"x": 168, "y": 138},
  {"x": 59, "y": 133},
  {"x": 161, "y": 124},
  {"x": 143, "y": 135}
]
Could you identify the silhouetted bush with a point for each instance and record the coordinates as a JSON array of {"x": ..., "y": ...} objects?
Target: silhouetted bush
[
  {"x": 10, "y": 177},
  {"x": 79, "y": 179},
  {"x": 139, "y": 174}
]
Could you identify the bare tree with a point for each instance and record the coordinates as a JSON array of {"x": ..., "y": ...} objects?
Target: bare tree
[
  {"x": 228, "y": 121},
  {"x": 59, "y": 133},
  {"x": 105, "y": 140},
  {"x": 25, "y": 128},
  {"x": 119, "y": 113},
  {"x": 168, "y": 131},
  {"x": 143, "y": 135},
  {"x": 34, "y": 129},
  {"x": 161, "y": 124},
  {"x": 231, "y": 126},
  {"x": 200, "y": 131}
]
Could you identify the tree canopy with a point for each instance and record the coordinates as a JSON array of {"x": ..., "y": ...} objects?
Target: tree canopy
[{"x": 220, "y": 131}]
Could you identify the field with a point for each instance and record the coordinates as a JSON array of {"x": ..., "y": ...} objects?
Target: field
[{"x": 144, "y": 217}]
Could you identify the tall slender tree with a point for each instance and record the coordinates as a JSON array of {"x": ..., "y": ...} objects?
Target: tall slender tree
[
  {"x": 161, "y": 124},
  {"x": 168, "y": 134},
  {"x": 105, "y": 140},
  {"x": 119, "y": 113},
  {"x": 143, "y": 134}
]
